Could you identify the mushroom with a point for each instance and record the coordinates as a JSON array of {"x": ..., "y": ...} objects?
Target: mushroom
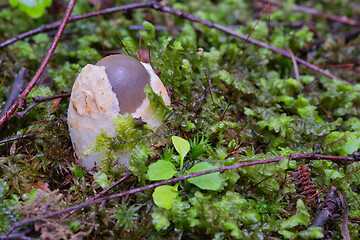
[{"x": 115, "y": 85}]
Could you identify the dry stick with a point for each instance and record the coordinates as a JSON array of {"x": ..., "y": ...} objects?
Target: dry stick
[
  {"x": 296, "y": 71},
  {"x": 342, "y": 19},
  {"x": 42, "y": 67},
  {"x": 212, "y": 99},
  {"x": 308, "y": 156},
  {"x": 140, "y": 189},
  {"x": 252, "y": 30},
  {"x": 17, "y": 138},
  {"x": 178, "y": 13},
  {"x": 51, "y": 26},
  {"x": 38, "y": 100},
  {"x": 349, "y": 174},
  {"x": 282, "y": 52},
  {"x": 102, "y": 192}
]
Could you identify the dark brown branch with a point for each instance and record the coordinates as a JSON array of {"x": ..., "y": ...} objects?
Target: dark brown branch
[
  {"x": 136, "y": 190},
  {"x": 17, "y": 138},
  {"x": 38, "y": 100},
  {"x": 103, "y": 192},
  {"x": 282, "y": 52},
  {"x": 42, "y": 67},
  {"x": 309, "y": 156},
  {"x": 4, "y": 5},
  {"x": 341, "y": 19},
  {"x": 51, "y": 26},
  {"x": 18, "y": 236}
]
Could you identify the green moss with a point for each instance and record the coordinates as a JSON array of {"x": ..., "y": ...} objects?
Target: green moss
[{"x": 256, "y": 110}]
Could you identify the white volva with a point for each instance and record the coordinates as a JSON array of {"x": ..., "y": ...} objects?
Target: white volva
[{"x": 94, "y": 105}]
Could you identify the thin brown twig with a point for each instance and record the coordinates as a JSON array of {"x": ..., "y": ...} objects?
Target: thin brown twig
[
  {"x": 2, "y": 81},
  {"x": 296, "y": 70},
  {"x": 52, "y": 26},
  {"x": 178, "y": 13},
  {"x": 42, "y": 67},
  {"x": 17, "y": 138},
  {"x": 100, "y": 25},
  {"x": 347, "y": 175},
  {"x": 342, "y": 19},
  {"x": 252, "y": 30},
  {"x": 308, "y": 156},
  {"x": 282, "y": 52},
  {"x": 38, "y": 100},
  {"x": 212, "y": 99},
  {"x": 102, "y": 192}
]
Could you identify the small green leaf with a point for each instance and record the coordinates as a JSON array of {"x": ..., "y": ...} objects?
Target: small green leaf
[
  {"x": 161, "y": 170},
  {"x": 302, "y": 217},
  {"x": 211, "y": 181},
  {"x": 165, "y": 195},
  {"x": 33, "y": 8},
  {"x": 30, "y": 195},
  {"x": 75, "y": 226},
  {"x": 182, "y": 146},
  {"x": 102, "y": 180},
  {"x": 78, "y": 172}
]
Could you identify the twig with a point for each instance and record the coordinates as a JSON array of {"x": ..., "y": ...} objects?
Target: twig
[
  {"x": 212, "y": 99},
  {"x": 17, "y": 138},
  {"x": 54, "y": 25},
  {"x": 4, "y": 5},
  {"x": 349, "y": 174},
  {"x": 18, "y": 236},
  {"x": 342, "y": 19},
  {"x": 42, "y": 67},
  {"x": 17, "y": 87},
  {"x": 282, "y": 52},
  {"x": 136, "y": 190},
  {"x": 178, "y": 13},
  {"x": 248, "y": 36},
  {"x": 38, "y": 100},
  {"x": 102, "y": 192},
  {"x": 296, "y": 70},
  {"x": 355, "y": 157}
]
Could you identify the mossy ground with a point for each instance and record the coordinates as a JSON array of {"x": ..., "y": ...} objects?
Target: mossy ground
[{"x": 255, "y": 110}]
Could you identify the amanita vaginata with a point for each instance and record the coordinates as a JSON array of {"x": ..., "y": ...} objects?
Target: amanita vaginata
[{"x": 115, "y": 85}]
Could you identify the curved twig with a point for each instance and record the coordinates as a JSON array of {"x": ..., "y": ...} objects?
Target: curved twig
[
  {"x": 308, "y": 156},
  {"x": 282, "y": 52},
  {"x": 52, "y": 26},
  {"x": 25, "y": 93},
  {"x": 342, "y": 19},
  {"x": 38, "y": 100}
]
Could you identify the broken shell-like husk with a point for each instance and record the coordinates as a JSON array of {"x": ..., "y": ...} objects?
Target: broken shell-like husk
[{"x": 93, "y": 106}]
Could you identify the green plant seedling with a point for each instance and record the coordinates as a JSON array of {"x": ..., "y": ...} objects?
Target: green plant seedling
[
  {"x": 182, "y": 146},
  {"x": 164, "y": 196},
  {"x": 211, "y": 181},
  {"x": 161, "y": 170},
  {"x": 102, "y": 180},
  {"x": 33, "y": 9},
  {"x": 78, "y": 172}
]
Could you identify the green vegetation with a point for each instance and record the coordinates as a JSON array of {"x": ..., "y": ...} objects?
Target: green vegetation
[{"x": 256, "y": 110}]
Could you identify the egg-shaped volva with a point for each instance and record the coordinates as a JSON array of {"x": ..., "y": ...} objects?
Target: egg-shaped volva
[{"x": 115, "y": 85}]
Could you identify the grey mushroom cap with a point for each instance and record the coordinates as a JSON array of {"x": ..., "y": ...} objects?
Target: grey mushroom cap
[{"x": 127, "y": 77}]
